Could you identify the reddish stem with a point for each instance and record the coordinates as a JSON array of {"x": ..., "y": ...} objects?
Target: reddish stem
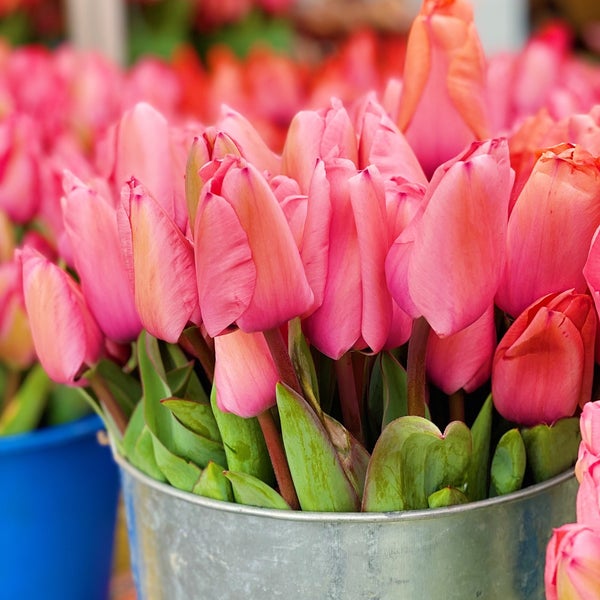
[
  {"x": 193, "y": 342},
  {"x": 349, "y": 398},
  {"x": 415, "y": 368},
  {"x": 456, "y": 404},
  {"x": 278, "y": 459},
  {"x": 281, "y": 357},
  {"x": 108, "y": 401}
]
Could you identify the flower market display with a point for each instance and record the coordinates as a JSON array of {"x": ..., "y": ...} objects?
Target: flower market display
[{"x": 370, "y": 285}]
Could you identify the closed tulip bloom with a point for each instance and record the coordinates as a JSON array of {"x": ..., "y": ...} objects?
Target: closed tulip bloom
[
  {"x": 447, "y": 263},
  {"x": 65, "y": 333},
  {"x": 91, "y": 225},
  {"x": 573, "y": 563},
  {"x": 249, "y": 270},
  {"x": 543, "y": 366},
  {"x": 550, "y": 228},
  {"x": 589, "y": 449},
  {"x": 463, "y": 360},
  {"x": 245, "y": 374},
  {"x": 443, "y": 106},
  {"x": 588, "y": 496},
  {"x": 160, "y": 260}
]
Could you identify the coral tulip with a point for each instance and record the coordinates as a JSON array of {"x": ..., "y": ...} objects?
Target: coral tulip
[
  {"x": 543, "y": 366},
  {"x": 573, "y": 563},
  {"x": 91, "y": 224},
  {"x": 249, "y": 270},
  {"x": 161, "y": 263},
  {"x": 447, "y": 263},
  {"x": 245, "y": 374},
  {"x": 65, "y": 333},
  {"x": 443, "y": 105},
  {"x": 557, "y": 208}
]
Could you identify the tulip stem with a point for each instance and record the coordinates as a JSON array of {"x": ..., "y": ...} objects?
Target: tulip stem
[
  {"x": 108, "y": 401},
  {"x": 278, "y": 459},
  {"x": 456, "y": 404},
  {"x": 349, "y": 399},
  {"x": 193, "y": 342},
  {"x": 416, "y": 367},
  {"x": 281, "y": 357}
]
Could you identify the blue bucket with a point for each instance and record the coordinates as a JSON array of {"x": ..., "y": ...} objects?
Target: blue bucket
[{"x": 58, "y": 499}]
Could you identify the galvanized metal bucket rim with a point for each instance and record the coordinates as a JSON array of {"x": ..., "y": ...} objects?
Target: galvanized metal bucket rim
[{"x": 353, "y": 517}]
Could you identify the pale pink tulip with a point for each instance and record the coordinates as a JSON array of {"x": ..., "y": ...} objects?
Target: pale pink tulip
[
  {"x": 573, "y": 563},
  {"x": 589, "y": 449},
  {"x": 248, "y": 266},
  {"x": 588, "y": 496},
  {"x": 65, "y": 334},
  {"x": 91, "y": 225},
  {"x": 550, "y": 228},
  {"x": 447, "y": 263},
  {"x": 463, "y": 360},
  {"x": 245, "y": 374},
  {"x": 442, "y": 106},
  {"x": 543, "y": 366},
  {"x": 161, "y": 264}
]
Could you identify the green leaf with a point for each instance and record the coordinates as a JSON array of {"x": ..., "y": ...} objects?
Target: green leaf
[
  {"x": 179, "y": 472},
  {"x": 251, "y": 491},
  {"x": 394, "y": 389},
  {"x": 319, "y": 477},
  {"x": 477, "y": 474},
  {"x": 447, "y": 496},
  {"x": 125, "y": 388},
  {"x": 24, "y": 410},
  {"x": 179, "y": 377},
  {"x": 413, "y": 459},
  {"x": 303, "y": 364},
  {"x": 196, "y": 416},
  {"x": 552, "y": 449},
  {"x": 508, "y": 464},
  {"x": 213, "y": 484},
  {"x": 65, "y": 404},
  {"x": 244, "y": 444}
]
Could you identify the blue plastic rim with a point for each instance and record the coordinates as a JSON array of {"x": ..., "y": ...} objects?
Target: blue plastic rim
[{"x": 59, "y": 490}]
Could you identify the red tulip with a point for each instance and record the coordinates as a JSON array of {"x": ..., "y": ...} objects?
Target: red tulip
[
  {"x": 447, "y": 263},
  {"x": 65, "y": 334},
  {"x": 463, "y": 360},
  {"x": 573, "y": 563},
  {"x": 442, "y": 106},
  {"x": 557, "y": 208},
  {"x": 161, "y": 263},
  {"x": 249, "y": 270},
  {"x": 245, "y": 374},
  {"x": 91, "y": 225},
  {"x": 543, "y": 366}
]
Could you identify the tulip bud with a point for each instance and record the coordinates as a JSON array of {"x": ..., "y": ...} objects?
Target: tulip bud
[{"x": 543, "y": 366}]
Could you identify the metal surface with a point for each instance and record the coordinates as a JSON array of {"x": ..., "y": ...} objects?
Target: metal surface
[{"x": 187, "y": 547}]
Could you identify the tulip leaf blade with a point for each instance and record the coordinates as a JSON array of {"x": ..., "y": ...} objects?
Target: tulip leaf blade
[
  {"x": 126, "y": 390},
  {"x": 477, "y": 473},
  {"x": 179, "y": 472},
  {"x": 319, "y": 478},
  {"x": 244, "y": 443},
  {"x": 413, "y": 459},
  {"x": 251, "y": 491},
  {"x": 395, "y": 400},
  {"x": 213, "y": 484},
  {"x": 552, "y": 449},
  {"x": 448, "y": 496},
  {"x": 196, "y": 416},
  {"x": 508, "y": 464}
]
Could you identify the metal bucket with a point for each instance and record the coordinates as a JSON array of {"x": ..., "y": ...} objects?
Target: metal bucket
[{"x": 187, "y": 547}]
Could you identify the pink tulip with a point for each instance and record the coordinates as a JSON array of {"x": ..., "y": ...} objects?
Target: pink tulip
[
  {"x": 557, "y": 208},
  {"x": 447, "y": 263},
  {"x": 543, "y": 366},
  {"x": 442, "y": 106},
  {"x": 463, "y": 360},
  {"x": 588, "y": 496},
  {"x": 245, "y": 374},
  {"x": 65, "y": 334},
  {"x": 91, "y": 225},
  {"x": 589, "y": 449},
  {"x": 573, "y": 563},
  {"x": 161, "y": 264},
  {"x": 327, "y": 134},
  {"x": 20, "y": 155},
  {"x": 16, "y": 344},
  {"x": 249, "y": 270}
]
